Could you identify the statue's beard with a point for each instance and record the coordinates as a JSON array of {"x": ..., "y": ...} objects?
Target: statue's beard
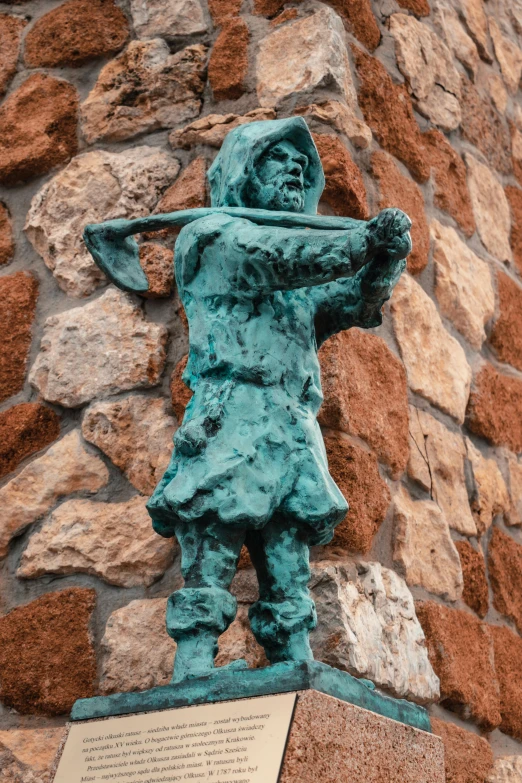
[{"x": 278, "y": 195}]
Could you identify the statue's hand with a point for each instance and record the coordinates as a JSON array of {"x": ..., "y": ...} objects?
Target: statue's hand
[{"x": 389, "y": 234}]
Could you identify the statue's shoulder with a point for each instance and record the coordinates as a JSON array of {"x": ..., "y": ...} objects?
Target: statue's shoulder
[{"x": 208, "y": 224}]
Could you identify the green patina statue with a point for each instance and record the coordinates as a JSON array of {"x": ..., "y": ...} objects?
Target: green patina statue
[{"x": 264, "y": 281}]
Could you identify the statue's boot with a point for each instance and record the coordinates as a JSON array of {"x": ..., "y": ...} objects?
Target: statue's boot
[
  {"x": 195, "y": 655},
  {"x": 293, "y": 647}
]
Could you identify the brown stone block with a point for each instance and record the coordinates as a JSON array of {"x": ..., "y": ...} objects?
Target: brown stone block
[
  {"x": 331, "y": 741},
  {"x": 508, "y": 666},
  {"x": 24, "y": 430},
  {"x": 482, "y": 126},
  {"x": 180, "y": 393},
  {"x": 228, "y": 64},
  {"x": 18, "y": 295},
  {"x": 75, "y": 32},
  {"x": 460, "y": 650},
  {"x": 356, "y": 473},
  {"x": 449, "y": 172},
  {"x": 158, "y": 264},
  {"x": 397, "y": 131},
  {"x": 7, "y": 247},
  {"x": 417, "y": 7},
  {"x": 514, "y": 196},
  {"x": 47, "y": 658},
  {"x": 399, "y": 191},
  {"x": 357, "y": 16},
  {"x": 37, "y": 128},
  {"x": 495, "y": 408},
  {"x": 505, "y": 573},
  {"x": 365, "y": 394},
  {"x": 344, "y": 192},
  {"x": 224, "y": 9},
  {"x": 10, "y": 36},
  {"x": 188, "y": 191},
  {"x": 506, "y": 335},
  {"x": 468, "y": 758},
  {"x": 475, "y": 593}
]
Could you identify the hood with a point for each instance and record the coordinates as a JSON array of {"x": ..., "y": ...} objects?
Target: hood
[{"x": 242, "y": 149}]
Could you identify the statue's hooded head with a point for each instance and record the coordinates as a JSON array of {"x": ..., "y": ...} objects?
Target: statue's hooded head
[{"x": 268, "y": 165}]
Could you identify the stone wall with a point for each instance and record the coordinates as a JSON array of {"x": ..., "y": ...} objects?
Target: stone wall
[{"x": 116, "y": 109}]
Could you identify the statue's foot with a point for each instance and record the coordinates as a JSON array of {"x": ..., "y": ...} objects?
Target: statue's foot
[
  {"x": 238, "y": 665},
  {"x": 194, "y": 657}
]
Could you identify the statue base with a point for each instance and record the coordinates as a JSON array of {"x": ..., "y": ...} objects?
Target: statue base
[{"x": 228, "y": 684}]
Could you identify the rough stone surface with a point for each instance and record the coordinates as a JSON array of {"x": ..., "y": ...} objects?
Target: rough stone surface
[
  {"x": 64, "y": 468},
  {"x": 37, "y": 128},
  {"x": 437, "y": 458},
  {"x": 102, "y": 348},
  {"x": 341, "y": 117},
  {"x": 508, "y": 55},
  {"x": 514, "y": 197},
  {"x": 367, "y": 626},
  {"x": 24, "y": 430},
  {"x": 301, "y": 56},
  {"x": 47, "y": 658},
  {"x": 114, "y": 541},
  {"x": 397, "y": 131},
  {"x": 436, "y": 364},
  {"x": 516, "y": 148},
  {"x": 7, "y": 246},
  {"x": 449, "y": 174},
  {"x": 467, "y": 757},
  {"x": 417, "y": 7},
  {"x": 490, "y": 495},
  {"x": 137, "y": 652},
  {"x": 491, "y": 209},
  {"x": 495, "y": 408},
  {"x": 189, "y": 191},
  {"x": 505, "y": 573},
  {"x": 75, "y": 32},
  {"x": 427, "y": 64},
  {"x": 344, "y": 192},
  {"x": 167, "y": 19},
  {"x": 475, "y": 594},
  {"x": 365, "y": 394},
  {"x": 497, "y": 92},
  {"x": 460, "y": 649},
  {"x": 11, "y": 28},
  {"x": 482, "y": 126},
  {"x": 475, "y": 19},
  {"x": 463, "y": 284},
  {"x": 508, "y": 665},
  {"x": 356, "y": 473},
  {"x": 136, "y": 434},
  {"x": 506, "y": 335},
  {"x": 26, "y": 755},
  {"x": 514, "y": 468},
  {"x": 220, "y": 10},
  {"x": 506, "y": 770},
  {"x": 180, "y": 394},
  {"x": 447, "y": 21},
  {"x": 228, "y": 64},
  {"x": 423, "y": 548},
  {"x": 396, "y": 190},
  {"x": 213, "y": 128},
  {"x": 157, "y": 262},
  {"x": 144, "y": 89},
  {"x": 18, "y": 295},
  {"x": 350, "y": 743},
  {"x": 95, "y": 186}
]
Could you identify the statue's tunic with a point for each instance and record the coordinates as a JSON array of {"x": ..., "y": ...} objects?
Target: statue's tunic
[{"x": 259, "y": 302}]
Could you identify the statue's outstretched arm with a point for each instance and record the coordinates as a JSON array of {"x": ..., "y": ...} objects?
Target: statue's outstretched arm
[{"x": 355, "y": 301}]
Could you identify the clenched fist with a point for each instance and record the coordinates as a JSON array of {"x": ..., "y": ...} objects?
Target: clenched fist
[{"x": 389, "y": 233}]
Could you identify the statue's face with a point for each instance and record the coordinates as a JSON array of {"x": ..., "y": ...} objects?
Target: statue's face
[{"x": 278, "y": 181}]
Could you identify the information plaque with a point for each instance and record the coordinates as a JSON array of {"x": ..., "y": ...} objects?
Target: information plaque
[{"x": 229, "y": 742}]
